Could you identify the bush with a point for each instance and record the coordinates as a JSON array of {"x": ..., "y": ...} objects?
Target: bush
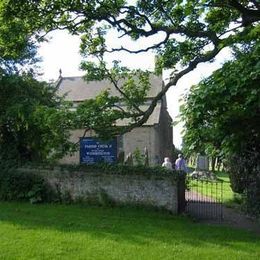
[
  {"x": 16, "y": 185},
  {"x": 244, "y": 171},
  {"x": 252, "y": 198},
  {"x": 238, "y": 173}
]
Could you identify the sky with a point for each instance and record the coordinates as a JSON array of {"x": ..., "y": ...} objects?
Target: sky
[{"x": 62, "y": 52}]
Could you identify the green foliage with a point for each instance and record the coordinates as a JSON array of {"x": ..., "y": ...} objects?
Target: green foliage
[
  {"x": 99, "y": 114},
  {"x": 222, "y": 118},
  {"x": 102, "y": 113},
  {"x": 221, "y": 113},
  {"x": 245, "y": 177},
  {"x": 16, "y": 43},
  {"x": 34, "y": 122},
  {"x": 190, "y": 32},
  {"x": 20, "y": 186},
  {"x": 138, "y": 157},
  {"x": 118, "y": 169}
]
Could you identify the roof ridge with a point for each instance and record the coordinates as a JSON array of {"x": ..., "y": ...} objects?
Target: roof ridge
[
  {"x": 82, "y": 76},
  {"x": 72, "y": 77}
]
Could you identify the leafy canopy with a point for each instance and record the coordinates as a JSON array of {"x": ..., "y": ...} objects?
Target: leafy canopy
[
  {"x": 17, "y": 45},
  {"x": 222, "y": 118},
  {"x": 188, "y": 32},
  {"x": 33, "y": 120},
  {"x": 222, "y": 113}
]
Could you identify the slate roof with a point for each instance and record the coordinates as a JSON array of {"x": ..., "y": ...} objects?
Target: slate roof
[{"x": 76, "y": 89}]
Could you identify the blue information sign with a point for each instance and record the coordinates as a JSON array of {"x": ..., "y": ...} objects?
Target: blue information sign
[{"x": 92, "y": 150}]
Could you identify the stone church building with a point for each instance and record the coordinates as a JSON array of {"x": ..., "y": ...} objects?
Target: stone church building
[{"x": 155, "y": 135}]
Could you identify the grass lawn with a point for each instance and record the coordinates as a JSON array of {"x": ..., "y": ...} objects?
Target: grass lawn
[
  {"x": 211, "y": 190},
  {"x": 87, "y": 232},
  {"x": 228, "y": 195}
]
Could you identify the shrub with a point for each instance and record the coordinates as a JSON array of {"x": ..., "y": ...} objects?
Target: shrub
[
  {"x": 244, "y": 172},
  {"x": 16, "y": 185}
]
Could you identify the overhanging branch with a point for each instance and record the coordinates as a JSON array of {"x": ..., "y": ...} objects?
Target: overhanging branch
[{"x": 173, "y": 81}]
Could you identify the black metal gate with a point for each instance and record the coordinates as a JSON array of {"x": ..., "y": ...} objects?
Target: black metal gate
[{"x": 204, "y": 198}]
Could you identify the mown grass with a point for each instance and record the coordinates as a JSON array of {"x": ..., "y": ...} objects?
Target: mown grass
[{"x": 81, "y": 232}]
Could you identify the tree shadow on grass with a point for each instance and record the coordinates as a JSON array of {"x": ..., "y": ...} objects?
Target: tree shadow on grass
[{"x": 136, "y": 226}]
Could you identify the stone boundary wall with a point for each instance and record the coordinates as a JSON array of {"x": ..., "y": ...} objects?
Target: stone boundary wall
[{"x": 163, "y": 192}]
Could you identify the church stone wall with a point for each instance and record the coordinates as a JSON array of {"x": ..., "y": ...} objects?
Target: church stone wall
[
  {"x": 141, "y": 138},
  {"x": 157, "y": 139}
]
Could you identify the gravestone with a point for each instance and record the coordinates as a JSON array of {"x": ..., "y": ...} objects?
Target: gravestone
[
  {"x": 202, "y": 169},
  {"x": 129, "y": 159},
  {"x": 202, "y": 163}
]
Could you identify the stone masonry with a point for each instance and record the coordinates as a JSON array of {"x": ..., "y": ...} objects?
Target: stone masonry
[{"x": 144, "y": 190}]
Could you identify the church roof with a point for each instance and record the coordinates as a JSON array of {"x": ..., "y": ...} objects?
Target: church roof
[{"x": 76, "y": 89}]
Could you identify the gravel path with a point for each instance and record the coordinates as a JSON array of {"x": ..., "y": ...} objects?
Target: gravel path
[{"x": 208, "y": 210}]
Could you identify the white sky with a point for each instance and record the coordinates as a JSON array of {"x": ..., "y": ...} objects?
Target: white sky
[{"x": 62, "y": 52}]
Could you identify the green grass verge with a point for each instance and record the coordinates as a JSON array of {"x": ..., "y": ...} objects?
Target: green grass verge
[{"x": 81, "y": 232}]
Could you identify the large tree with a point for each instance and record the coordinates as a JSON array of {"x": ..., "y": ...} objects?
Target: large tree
[
  {"x": 189, "y": 33},
  {"x": 222, "y": 112},
  {"x": 32, "y": 121},
  {"x": 222, "y": 118},
  {"x": 17, "y": 44}
]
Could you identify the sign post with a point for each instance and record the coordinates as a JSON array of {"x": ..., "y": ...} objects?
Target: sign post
[{"x": 93, "y": 150}]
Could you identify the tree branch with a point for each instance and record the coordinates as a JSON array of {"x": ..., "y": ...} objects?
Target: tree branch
[
  {"x": 256, "y": 3},
  {"x": 114, "y": 82},
  {"x": 141, "y": 50},
  {"x": 173, "y": 81},
  {"x": 249, "y": 16}
]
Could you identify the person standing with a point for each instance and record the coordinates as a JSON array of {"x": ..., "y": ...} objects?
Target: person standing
[
  {"x": 180, "y": 164},
  {"x": 167, "y": 164}
]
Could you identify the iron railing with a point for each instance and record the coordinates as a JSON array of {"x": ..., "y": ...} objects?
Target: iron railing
[{"x": 204, "y": 198}]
